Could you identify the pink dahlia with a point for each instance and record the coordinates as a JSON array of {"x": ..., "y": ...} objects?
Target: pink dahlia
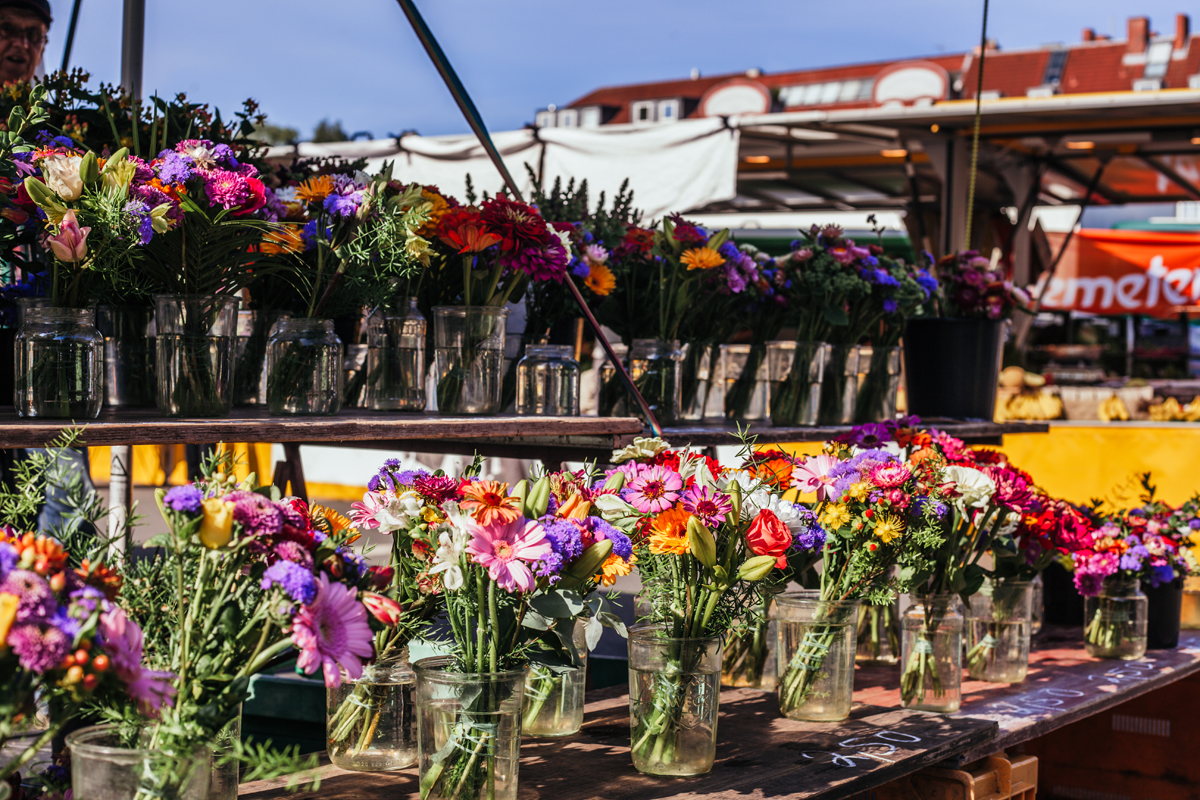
[
  {"x": 506, "y": 549},
  {"x": 226, "y": 189},
  {"x": 814, "y": 476},
  {"x": 39, "y": 648},
  {"x": 654, "y": 490},
  {"x": 333, "y": 632},
  {"x": 121, "y": 639}
]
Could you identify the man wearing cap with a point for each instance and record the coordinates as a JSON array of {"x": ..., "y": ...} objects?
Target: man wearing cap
[{"x": 23, "y": 27}]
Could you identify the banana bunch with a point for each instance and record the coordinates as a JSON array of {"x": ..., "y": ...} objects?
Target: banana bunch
[
  {"x": 1030, "y": 406},
  {"x": 1170, "y": 410},
  {"x": 1112, "y": 409}
]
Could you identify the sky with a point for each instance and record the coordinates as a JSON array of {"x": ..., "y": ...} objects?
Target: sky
[{"x": 358, "y": 61}]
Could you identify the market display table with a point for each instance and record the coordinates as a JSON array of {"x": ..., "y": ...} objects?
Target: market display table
[
  {"x": 761, "y": 754},
  {"x": 970, "y": 431}
]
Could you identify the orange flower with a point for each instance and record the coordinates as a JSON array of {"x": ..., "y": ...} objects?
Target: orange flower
[
  {"x": 284, "y": 240},
  {"x": 437, "y": 209},
  {"x": 923, "y": 455},
  {"x": 772, "y": 467},
  {"x": 335, "y": 523},
  {"x": 668, "y": 532},
  {"x": 315, "y": 189},
  {"x": 614, "y": 567},
  {"x": 574, "y": 507},
  {"x": 600, "y": 280},
  {"x": 487, "y": 501},
  {"x": 41, "y": 554},
  {"x": 701, "y": 258},
  {"x": 100, "y": 577},
  {"x": 463, "y": 229}
]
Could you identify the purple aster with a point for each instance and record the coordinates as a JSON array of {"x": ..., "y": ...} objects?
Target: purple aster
[
  {"x": 294, "y": 552},
  {"x": 1194, "y": 524},
  {"x": 1163, "y": 573},
  {"x": 565, "y": 539},
  {"x": 343, "y": 205},
  {"x": 258, "y": 516},
  {"x": 85, "y": 600},
  {"x": 63, "y": 620},
  {"x": 708, "y": 505},
  {"x": 298, "y": 582},
  {"x": 175, "y": 167},
  {"x": 183, "y": 498},
  {"x": 601, "y": 530},
  {"x": 224, "y": 156},
  {"x": 8, "y": 559},
  {"x": 734, "y": 278},
  {"x": 35, "y": 601},
  {"x": 38, "y": 648},
  {"x": 141, "y": 212},
  {"x": 309, "y": 234}
]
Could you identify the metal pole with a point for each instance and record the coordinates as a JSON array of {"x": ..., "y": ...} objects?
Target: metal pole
[
  {"x": 71, "y": 34},
  {"x": 459, "y": 92},
  {"x": 133, "y": 36},
  {"x": 120, "y": 500}
]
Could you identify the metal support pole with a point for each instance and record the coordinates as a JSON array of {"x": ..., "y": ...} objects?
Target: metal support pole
[
  {"x": 133, "y": 35},
  {"x": 1130, "y": 341},
  {"x": 120, "y": 500},
  {"x": 66, "y": 62}
]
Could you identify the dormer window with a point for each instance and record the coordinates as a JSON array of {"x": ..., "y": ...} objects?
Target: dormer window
[
  {"x": 1158, "y": 55},
  {"x": 642, "y": 112}
]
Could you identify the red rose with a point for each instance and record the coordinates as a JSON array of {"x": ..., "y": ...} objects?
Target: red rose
[
  {"x": 768, "y": 536},
  {"x": 257, "y": 199}
]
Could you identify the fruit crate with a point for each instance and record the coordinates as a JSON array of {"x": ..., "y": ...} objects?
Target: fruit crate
[{"x": 996, "y": 777}]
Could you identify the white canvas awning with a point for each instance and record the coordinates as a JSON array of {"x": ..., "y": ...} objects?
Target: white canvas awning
[{"x": 688, "y": 164}]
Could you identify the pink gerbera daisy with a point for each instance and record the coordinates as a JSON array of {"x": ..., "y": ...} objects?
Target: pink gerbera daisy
[
  {"x": 333, "y": 632},
  {"x": 708, "y": 505},
  {"x": 506, "y": 549},
  {"x": 654, "y": 490},
  {"x": 121, "y": 639},
  {"x": 813, "y": 476}
]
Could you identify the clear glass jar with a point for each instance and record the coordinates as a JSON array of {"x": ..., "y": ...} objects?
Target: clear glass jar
[
  {"x": 304, "y": 368},
  {"x": 749, "y": 655},
  {"x": 370, "y": 720},
  {"x": 931, "y": 679},
  {"x": 701, "y": 391},
  {"x": 128, "y": 355},
  {"x": 1037, "y": 611},
  {"x": 655, "y": 367},
  {"x": 747, "y": 381},
  {"x": 468, "y": 731},
  {"x": 839, "y": 390},
  {"x": 469, "y": 350},
  {"x": 816, "y": 656},
  {"x": 396, "y": 360},
  {"x": 612, "y": 398},
  {"x": 674, "y": 696},
  {"x": 553, "y": 704},
  {"x": 194, "y": 349},
  {"x": 1114, "y": 623},
  {"x": 879, "y": 378},
  {"x": 548, "y": 381},
  {"x": 223, "y": 781},
  {"x": 103, "y": 769},
  {"x": 354, "y": 369},
  {"x": 254, "y": 328},
  {"x": 796, "y": 371},
  {"x": 1189, "y": 616},
  {"x": 998, "y": 632},
  {"x": 878, "y": 636},
  {"x": 59, "y": 368}
]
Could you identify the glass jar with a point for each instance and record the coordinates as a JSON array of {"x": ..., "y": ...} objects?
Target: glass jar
[
  {"x": 931, "y": 649},
  {"x": 1115, "y": 620},
  {"x": 396, "y": 360},
  {"x": 304, "y": 368},
  {"x": 612, "y": 398},
  {"x": 369, "y": 720},
  {"x": 747, "y": 383},
  {"x": 699, "y": 381},
  {"x": 128, "y": 355},
  {"x": 553, "y": 704},
  {"x": 103, "y": 769},
  {"x": 469, "y": 352},
  {"x": 58, "y": 372},
  {"x": 998, "y": 632},
  {"x": 674, "y": 695},
  {"x": 468, "y": 730},
  {"x": 655, "y": 367},
  {"x": 548, "y": 381},
  {"x": 749, "y": 654},
  {"x": 1038, "y": 609},
  {"x": 195, "y": 349},
  {"x": 878, "y": 637},
  {"x": 223, "y": 781},
  {"x": 1189, "y": 616},
  {"x": 796, "y": 371},
  {"x": 254, "y": 328},
  {"x": 354, "y": 376},
  {"x": 878, "y": 384},
  {"x": 839, "y": 390},
  {"x": 816, "y": 656}
]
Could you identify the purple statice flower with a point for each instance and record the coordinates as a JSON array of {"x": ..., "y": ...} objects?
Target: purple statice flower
[
  {"x": 85, "y": 600},
  {"x": 707, "y": 505},
  {"x": 141, "y": 212},
  {"x": 226, "y": 189},
  {"x": 183, "y": 498},
  {"x": 8, "y": 559},
  {"x": 297, "y": 581},
  {"x": 734, "y": 278},
  {"x": 890, "y": 305},
  {"x": 1131, "y": 559},
  {"x": 579, "y": 269},
  {"x": 35, "y": 601},
  {"x": 175, "y": 167},
  {"x": 39, "y": 648},
  {"x": 293, "y": 551},
  {"x": 258, "y": 516}
]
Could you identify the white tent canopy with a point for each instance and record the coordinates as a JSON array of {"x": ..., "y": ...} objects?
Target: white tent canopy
[{"x": 670, "y": 168}]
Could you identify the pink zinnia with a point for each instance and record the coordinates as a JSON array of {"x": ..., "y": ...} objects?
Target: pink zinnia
[
  {"x": 889, "y": 475},
  {"x": 506, "y": 549},
  {"x": 122, "y": 642},
  {"x": 706, "y": 504},
  {"x": 654, "y": 490},
  {"x": 813, "y": 476},
  {"x": 333, "y": 632}
]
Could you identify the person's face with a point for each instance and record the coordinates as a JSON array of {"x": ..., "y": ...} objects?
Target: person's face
[{"x": 22, "y": 38}]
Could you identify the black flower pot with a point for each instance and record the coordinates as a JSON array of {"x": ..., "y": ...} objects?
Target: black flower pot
[
  {"x": 1064, "y": 604},
  {"x": 1162, "y": 614},
  {"x": 953, "y": 366}
]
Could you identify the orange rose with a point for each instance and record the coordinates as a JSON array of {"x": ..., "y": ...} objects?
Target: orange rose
[{"x": 769, "y": 536}]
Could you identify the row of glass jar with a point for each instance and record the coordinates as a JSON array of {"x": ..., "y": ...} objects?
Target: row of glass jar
[
  {"x": 196, "y": 356},
  {"x": 787, "y": 382}
]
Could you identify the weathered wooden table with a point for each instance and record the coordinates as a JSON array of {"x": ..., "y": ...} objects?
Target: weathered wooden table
[{"x": 760, "y": 754}]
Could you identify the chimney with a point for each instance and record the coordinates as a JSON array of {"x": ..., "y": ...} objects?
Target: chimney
[
  {"x": 1139, "y": 35},
  {"x": 1089, "y": 34},
  {"x": 1182, "y": 29}
]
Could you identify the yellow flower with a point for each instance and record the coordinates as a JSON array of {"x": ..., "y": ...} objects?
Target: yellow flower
[
  {"x": 8, "y": 613},
  {"x": 216, "y": 529},
  {"x": 600, "y": 280},
  {"x": 430, "y": 515},
  {"x": 418, "y": 248},
  {"x": 859, "y": 491},
  {"x": 888, "y": 528},
  {"x": 834, "y": 517},
  {"x": 437, "y": 208},
  {"x": 701, "y": 258},
  {"x": 336, "y": 521},
  {"x": 615, "y": 567}
]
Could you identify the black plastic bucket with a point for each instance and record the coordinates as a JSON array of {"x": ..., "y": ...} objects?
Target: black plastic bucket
[
  {"x": 952, "y": 367},
  {"x": 1162, "y": 614}
]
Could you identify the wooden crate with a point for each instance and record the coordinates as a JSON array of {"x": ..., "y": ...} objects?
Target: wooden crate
[{"x": 996, "y": 777}]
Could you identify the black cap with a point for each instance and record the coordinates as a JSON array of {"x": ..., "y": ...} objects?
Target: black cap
[{"x": 39, "y": 7}]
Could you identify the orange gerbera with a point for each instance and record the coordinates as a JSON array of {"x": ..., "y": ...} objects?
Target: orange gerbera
[
  {"x": 437, "y": 209},
  {"x": 283, "y": 240},
  {"x": 701, "y": 258},
  {"x": 772, "y": 467},
  {"x": 668, "y": 532},
  {"x": 488, "y": 501},
  {"x": 464, "y": 229},
  {"x": 315, "y": 189},
  {"x": 600, "y": 280},
  {"x": 614, "y": 567},
  {"x": 336, "y": 522}
]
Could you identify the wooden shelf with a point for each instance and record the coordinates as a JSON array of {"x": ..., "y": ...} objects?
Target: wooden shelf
[{"x": 970, "y": 431}]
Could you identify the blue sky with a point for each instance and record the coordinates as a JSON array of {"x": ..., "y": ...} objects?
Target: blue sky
[{"x": 358, "y": 61}]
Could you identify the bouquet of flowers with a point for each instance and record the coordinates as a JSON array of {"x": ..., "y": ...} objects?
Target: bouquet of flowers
[
  {"x": 970, "y": 287},
  {"x": 709, "y": 542},
  {"x": 881, "y": 512}
]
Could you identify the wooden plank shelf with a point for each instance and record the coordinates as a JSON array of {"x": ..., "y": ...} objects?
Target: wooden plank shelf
[{"x": 970, "y": 431}]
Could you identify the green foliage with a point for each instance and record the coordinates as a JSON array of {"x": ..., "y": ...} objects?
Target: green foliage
[
  {"x": 327, "y": 131},
  {"x": 275, "y": 134}
]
